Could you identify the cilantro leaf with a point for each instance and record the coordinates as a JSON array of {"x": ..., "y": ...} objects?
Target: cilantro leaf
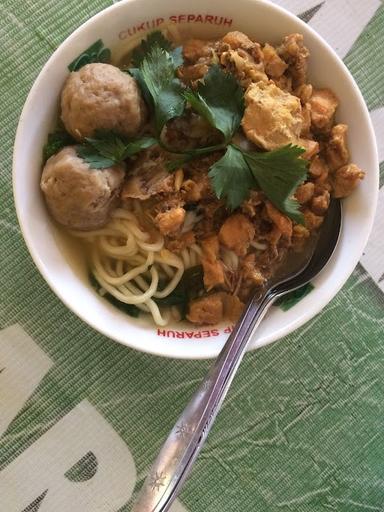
[
  {"x": 177, "y": 56},
  {"x": 56, "y": 141},
  {"x": 109, "y": 149},
  {"x": 219, "y": 99},
  {"x": 108, "y": 145},
  {"x": 97, "y": 52},
  {"x": 155, "y": 38},
  {"x": 135, "y": 146},
  {"x": 138, "y": 76},
  {"x": 129, "y": 309},
  {"x": 231, "y": 178},
  {"x": 158, "y": 73},
  {"x": 93, "y": 158},
  {"x": 279, "y": 173}
]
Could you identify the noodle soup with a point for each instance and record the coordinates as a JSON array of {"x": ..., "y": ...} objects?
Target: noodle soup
[{"x": 192, "y": 170}]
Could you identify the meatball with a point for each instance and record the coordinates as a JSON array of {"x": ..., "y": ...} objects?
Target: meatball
[
  {"x": 78, "y": 196},
  {"x": 101, "y": 97}
]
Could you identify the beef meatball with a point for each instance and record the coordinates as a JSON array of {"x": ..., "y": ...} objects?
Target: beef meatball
[
  {"x": 78, "y": 196},
  {"x": 101, "y": 97}
]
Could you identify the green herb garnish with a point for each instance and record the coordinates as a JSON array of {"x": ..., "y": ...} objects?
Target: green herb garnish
[
  {"x": 291, "y": 299},
  {"x": 145, "y": 47},
  {"x": 177, "y": 56},
  {"x": 138, "y": 76},
  {"x": 155, "y": 65},
  {"x": 158, "y": 73},
  {"x": 231, "y": 178},
  {"x": 56, "y": 141},
  {"x": 188, "y": 288},
  {"x": 219, "y": 99},
  {"x": 129, "y": 309},
  {"x": 97, "y": 52},
  {"x": 153, "y": 39},
  {"x": 108, "y": 149},
  {"x": 278, "y": 173}
]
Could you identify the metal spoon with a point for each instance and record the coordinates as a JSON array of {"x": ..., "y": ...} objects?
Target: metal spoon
[{"x": 186, "y": 439}]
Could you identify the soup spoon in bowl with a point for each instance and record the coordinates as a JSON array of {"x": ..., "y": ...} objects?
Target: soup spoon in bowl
[{"x": 187, "y": 437}]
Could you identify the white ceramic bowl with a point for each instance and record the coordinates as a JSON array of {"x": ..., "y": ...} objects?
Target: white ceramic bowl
[{"x": 119, "y": 26}]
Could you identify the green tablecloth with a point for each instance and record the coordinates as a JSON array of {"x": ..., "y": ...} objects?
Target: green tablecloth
[{"x": 81, "y": 417}]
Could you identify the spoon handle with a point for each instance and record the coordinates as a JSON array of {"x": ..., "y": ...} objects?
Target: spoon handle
[{"x": 187, "y": 437}]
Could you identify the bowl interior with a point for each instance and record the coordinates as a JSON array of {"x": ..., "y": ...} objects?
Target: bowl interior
[{"x": 58, "y": 256}]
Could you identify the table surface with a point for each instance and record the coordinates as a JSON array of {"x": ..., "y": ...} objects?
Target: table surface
[{"x": 81, "y": 417}]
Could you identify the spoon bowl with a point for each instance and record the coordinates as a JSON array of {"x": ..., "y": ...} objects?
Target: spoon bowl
[{"x": 300, "y": 268}]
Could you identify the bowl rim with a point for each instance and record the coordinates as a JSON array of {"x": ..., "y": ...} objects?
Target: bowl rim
[{"x": 163, "y": 349}]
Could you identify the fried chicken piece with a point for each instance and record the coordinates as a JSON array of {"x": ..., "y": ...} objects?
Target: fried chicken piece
[
  {"x": 295, "y": 54},
  {"x": 236, "y": 233},
  {"x": 251, "y": 272},
  {"x": 243, "y": 65},
  {"x": 212, "y": 266},
  {"x": 195, "y": 49},
  {"x": 336, "y": 151},
  {"x": 194, "y": 191},
  {"x": 236, "y": 39},
  {"x": 273, "y": 238},
  {"x": 233, "y": 307},
  {"x": 251, "y": 205},
  {"x": 242, "y": 57},
  {"x": 323, "y": 106},
  {"x": 197, "y": 186},
  {"x": 346, "y": 179},
  {"x": 299, "y": 237},
  {"x": 312, "y": 221},
  {"x": 306, "y": 127},
  {"x": 318, "y": 168},
  {"x": 198, "y": 55},
  {"x": 211, "y": 309},
  {"x": 305, "y": 192},
  {"x": 208, "y": 309},
  {"x": 282, "y": 222},
  {"x": 190, "y": 74},
  {"x": 320, "y": 203},
  {"x": 311, "y": 148},
  {"x": 170, "y": 221},
  {"x": 304, "y": 92},
  {"x": 274, "y": 65}
]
